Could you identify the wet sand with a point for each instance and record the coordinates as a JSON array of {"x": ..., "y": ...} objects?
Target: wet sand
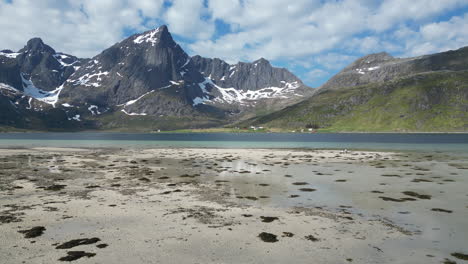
[{"x": 231, "y": 206}]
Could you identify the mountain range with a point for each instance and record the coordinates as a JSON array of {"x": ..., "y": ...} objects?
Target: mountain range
[
  {"x": 381, "y": 93},
  {"x": 144, "y": 82},
  {"x": 148, "y": 82}
]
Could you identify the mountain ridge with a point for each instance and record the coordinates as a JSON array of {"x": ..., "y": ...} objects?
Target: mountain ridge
[{"x": 381, "y": 67}]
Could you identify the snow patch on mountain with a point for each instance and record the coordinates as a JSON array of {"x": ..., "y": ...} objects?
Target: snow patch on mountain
[
  {"x": 94, "y": 109},
  {"x": 206, "y": 97},
  {"x": 232, "y": 95},
  {"x": 133, "y": 114},
  {"x": 76, "y": 118},
  {"x": 5, "y": 86},
  {"x": 199, "y": 100},
  {"x": 61, "y": 57},
  {"x": 186, "y": 62},
  {"x": 48, "y": 97},
  {"x": 87, "y": 79},
  {"x": 132, "y": 102},
  {"x": 174, "y": 83},
  {"x": 135, "y": 100},
  {"x": 29, "y": 103},
  {"x": 364, "y": 70},
  {"x": 11, "y": 55},
  {"x": 149, "y": 37}
]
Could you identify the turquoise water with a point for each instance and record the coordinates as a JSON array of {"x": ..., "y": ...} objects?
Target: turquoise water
[{"x": 372, "y": 141}]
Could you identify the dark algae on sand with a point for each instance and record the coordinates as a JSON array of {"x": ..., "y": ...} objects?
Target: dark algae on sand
[
  {"x": 460, "y": 256},
  {"x": 33, "y": 232},
  {"x": 74, "y": 255},
  {"x": 78, "y": 242},
  {"x": 268, "y": 237}
]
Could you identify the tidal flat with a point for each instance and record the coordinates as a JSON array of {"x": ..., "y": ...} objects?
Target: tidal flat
[{"x": 189, "y": 205}]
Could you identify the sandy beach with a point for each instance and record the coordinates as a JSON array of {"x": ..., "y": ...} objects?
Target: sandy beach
[{"x": 232, "y": 206}]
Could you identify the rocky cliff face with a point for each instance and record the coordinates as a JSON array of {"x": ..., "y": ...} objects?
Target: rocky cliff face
[
  {"x": 44, "y": 67},
  {"x": 244, "y": 76},
  {"x": 247, "y": 85}
]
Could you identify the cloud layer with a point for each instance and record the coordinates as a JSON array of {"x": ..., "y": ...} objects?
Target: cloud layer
[{"x": 315, "y": 38}]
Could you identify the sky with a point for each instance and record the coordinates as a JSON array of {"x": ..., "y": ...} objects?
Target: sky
[{"x": 314, "y": 39}]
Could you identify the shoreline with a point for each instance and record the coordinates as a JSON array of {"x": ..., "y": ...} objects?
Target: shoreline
[
  {"x": 291, "y": 149},
  {"x": 72, "y": 148},
  {"x": 201, "y": 131},
  {"x": 231, "y": 205}
]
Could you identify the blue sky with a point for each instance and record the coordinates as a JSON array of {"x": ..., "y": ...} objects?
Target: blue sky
[{"x": 313, "y": 38}]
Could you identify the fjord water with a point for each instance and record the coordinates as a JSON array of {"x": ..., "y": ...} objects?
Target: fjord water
[{"x": 372, "y": 141}]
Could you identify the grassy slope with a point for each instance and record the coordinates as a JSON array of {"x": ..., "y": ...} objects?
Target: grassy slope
[
  {"x": 425, "y": 102},
  {"x": 119, "y": 122}
]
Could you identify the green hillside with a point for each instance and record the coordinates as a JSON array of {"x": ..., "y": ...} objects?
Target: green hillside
[{"x": 430, "y": 102}]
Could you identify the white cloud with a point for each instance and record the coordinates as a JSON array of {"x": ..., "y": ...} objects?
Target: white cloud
[
  {"x": 455, "y": 29},
  {"x": 278, "y": 29},
  {"x": 291, "y": 30},
  {"x": 80, "y": 27},
  {"x": 184, "y": 17},
  {"x": 434, "y": 37},
  {"x": 392, "y": 12},
  {"x": 149, "y": 8}
]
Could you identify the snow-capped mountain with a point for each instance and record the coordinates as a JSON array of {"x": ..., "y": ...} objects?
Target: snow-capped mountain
[
  {"x": 136, "y": 72},
  {"x": 37, "y": 71},
  {"x": 37, "y": 63},
  {"x": 133, "y": 75},
  {"x": 245, "y": 83},
  {"x": 148, "y": 75}
]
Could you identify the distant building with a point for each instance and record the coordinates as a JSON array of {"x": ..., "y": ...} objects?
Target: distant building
[{"x": 256, "y": 128}]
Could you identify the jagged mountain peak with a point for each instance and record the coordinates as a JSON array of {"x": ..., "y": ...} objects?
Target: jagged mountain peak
[
  {"x": 159, "y": 35},
  {"x": 245, "y": 76},
  {"x": 38, "y": 65},
  {"x": 198, "y": 57},
  {"x": 164, "y": 30},
  {"x": 37, "y": 45},
  {"x": 35, "y": 41},
  {"x": 262, "y": 61},
  {"x": 140, "y": 64},
  {"x": 370, "y": 60}
]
